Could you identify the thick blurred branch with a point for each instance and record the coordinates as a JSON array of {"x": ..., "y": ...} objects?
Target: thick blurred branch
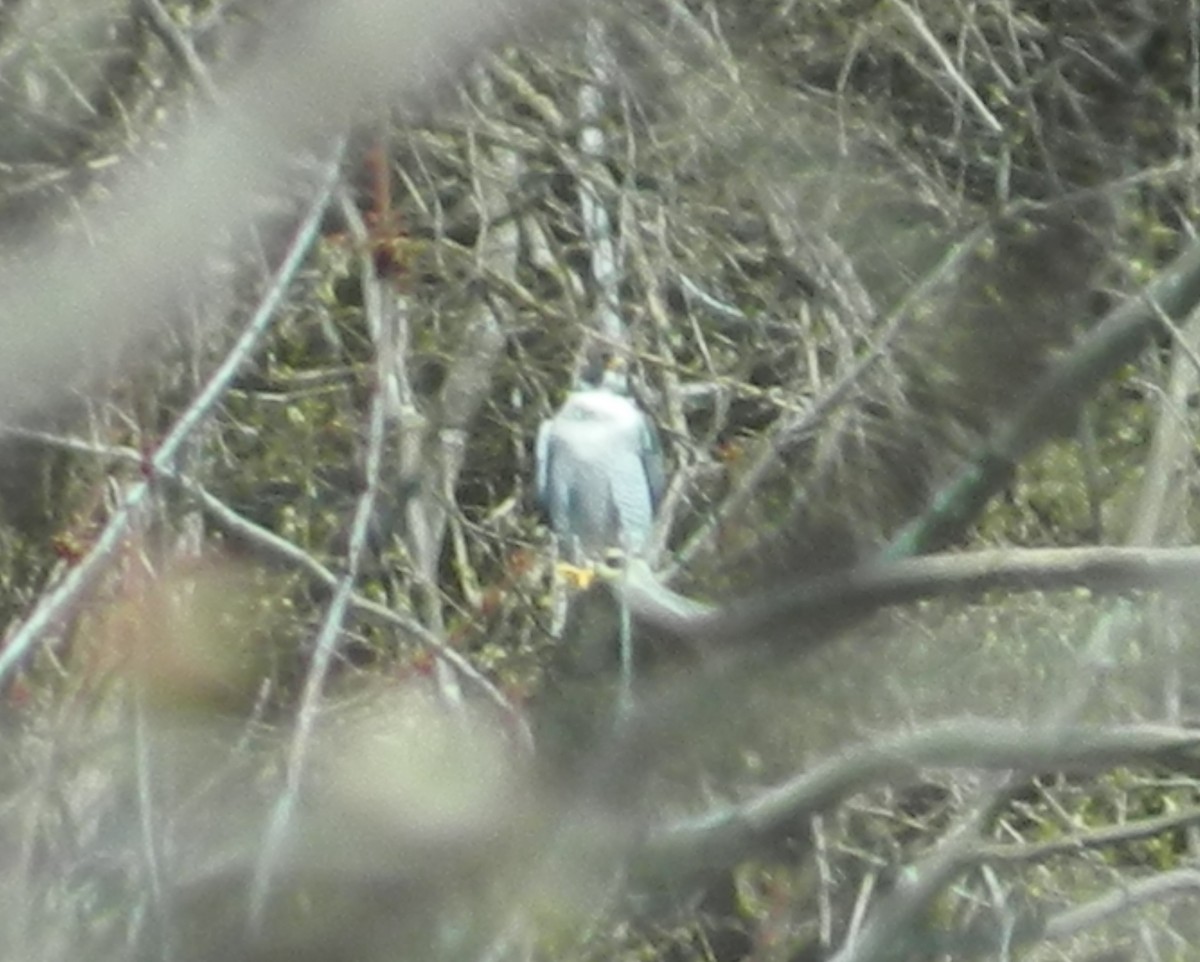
[
  {"x": 56, "y": 604},
  {"x": 1053, "y": 405},
  {"x": 691, "y": 850},
  {"x": 62, "y": 297},
  {"x": 806, "y": 614}
]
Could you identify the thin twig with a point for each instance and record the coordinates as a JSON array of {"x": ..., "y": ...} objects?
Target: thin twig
[
  {"x": 1123, "y": 834},
  {"x": 280, "y": 823},
  {"x": 943, "y": 58},
  {"x": 180, "y": 46},
  {"x": 148, "y": 824}
]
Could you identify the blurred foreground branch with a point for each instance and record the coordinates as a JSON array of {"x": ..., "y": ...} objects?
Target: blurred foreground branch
[
  {"x": 1053, "y": 406},
  {"x": 56, "y": 605}
]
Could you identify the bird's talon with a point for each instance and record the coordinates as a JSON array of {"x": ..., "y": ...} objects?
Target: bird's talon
[{"x": 576, "y": 576}]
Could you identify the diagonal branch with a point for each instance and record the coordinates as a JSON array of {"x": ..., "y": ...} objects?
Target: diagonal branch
[
  {"x": 1052, "y": 405},
  {"x": 823, "y": 605},
  {"x": 276, "y": 549},
  {"x": 280, "y": 824},
  {"x": 1166, "y": 885},
  {"x": 57, "y": 604},
  {"x": 943, "y": 59},
  {"x": 692, "y": 850}
]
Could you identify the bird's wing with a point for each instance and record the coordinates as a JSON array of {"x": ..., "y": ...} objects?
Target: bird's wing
[{"x": 652, "y": 460}]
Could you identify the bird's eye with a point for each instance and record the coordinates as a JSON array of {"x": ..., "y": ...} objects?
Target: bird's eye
[{"x": 614, "y": 558}]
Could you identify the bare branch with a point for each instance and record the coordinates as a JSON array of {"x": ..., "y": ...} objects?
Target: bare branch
[
  {"x": 57, "y": 604},
  {"x": 280, "y": 825},
  {"x": 943, "y": 58},
  {"x": 278, "y": 550},
  {"x": 823, "y": 605},
  {"x": 1132, "y": 831},
  {"x": 180, "y": 46},
  {"x": 1173, "y": 884},
  {"x": 695, "y": 848},
  {"x": 1052, "y": 405}
]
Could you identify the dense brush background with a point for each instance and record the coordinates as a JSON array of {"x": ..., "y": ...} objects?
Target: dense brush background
[{"x": 286, "y": 289}]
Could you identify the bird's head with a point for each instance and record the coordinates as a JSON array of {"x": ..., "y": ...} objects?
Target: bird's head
[{"x": 606, "y": 369}]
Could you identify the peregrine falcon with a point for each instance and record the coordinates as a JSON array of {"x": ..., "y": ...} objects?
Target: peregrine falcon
[{"x": 599, "y": 466}]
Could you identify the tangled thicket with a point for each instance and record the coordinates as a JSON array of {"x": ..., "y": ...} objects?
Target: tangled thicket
[{"x": 288, "y": 291}]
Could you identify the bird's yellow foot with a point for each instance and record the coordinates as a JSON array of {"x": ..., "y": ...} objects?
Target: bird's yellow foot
[{"x": 576, "y": 576}]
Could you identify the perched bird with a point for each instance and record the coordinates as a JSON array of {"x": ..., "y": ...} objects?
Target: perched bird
[{"x": 599, "y": 466}]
